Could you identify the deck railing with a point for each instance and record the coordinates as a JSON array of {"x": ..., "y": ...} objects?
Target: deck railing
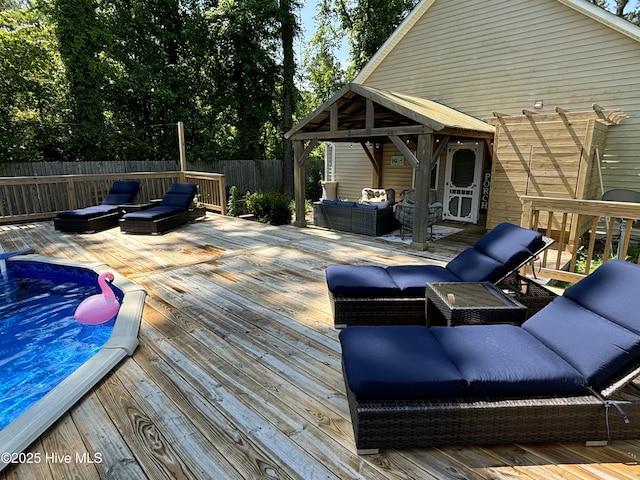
[
  {"x": 576, "y": 225},
  {"x": 41, "y": 198}
]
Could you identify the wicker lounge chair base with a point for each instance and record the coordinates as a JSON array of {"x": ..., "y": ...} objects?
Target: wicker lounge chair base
[
  {"x": 355, "y": 304},
  {"x": 377, "y": 311},
  {"x": 158, "y": 226},
  {"x": 95, "y": 224},
  {"x": 412, "y": 423}
]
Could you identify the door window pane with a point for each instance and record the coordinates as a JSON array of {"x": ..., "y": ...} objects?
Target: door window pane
[{"x": 463, "y": 168}]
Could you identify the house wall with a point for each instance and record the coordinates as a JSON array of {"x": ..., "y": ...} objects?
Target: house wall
[
  {"x": 353, "y": 171},
  {"x": 503, "y": 55}
]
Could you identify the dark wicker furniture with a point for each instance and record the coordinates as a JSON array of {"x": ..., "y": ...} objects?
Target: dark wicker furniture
[
  {"x": 404, "y": 215},
  {"x": 526, "y": 291},
  {"x": 350, "y": 217},
  {"x": 554, "y": 379},
  {"x": 170, "y": 213},
  {"x": 99, "y": 217},
  {"x": 371, "y": 304},
  {"x": 460, "y": 303},
  {"x": 411, "y": 423}
]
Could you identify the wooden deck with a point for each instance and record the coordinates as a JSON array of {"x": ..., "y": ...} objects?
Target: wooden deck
[{"x": 238, "y": 370}]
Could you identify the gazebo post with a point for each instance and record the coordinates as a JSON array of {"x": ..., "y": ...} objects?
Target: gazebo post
[
  {"x": 299, "y": 182},
  {"x": 423, "y": 181}
]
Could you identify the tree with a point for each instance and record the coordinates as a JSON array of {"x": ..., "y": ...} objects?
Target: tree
[
  {"x": 33, "y": 90},
  {"x": 288, "y": 30},
  {"x": 80, "y": 42},
  {"x": 369, "y": 23},
  {"x": 324, "y": 72}
]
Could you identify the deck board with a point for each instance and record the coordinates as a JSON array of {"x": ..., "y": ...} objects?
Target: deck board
[{"x": 238, "y": 370}]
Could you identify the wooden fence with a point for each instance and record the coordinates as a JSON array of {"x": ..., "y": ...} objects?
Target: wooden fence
[
  {"x": 41, "y": 198},
  {"x": 606, "y": 223},
  {"x": 247, "y": 175}
]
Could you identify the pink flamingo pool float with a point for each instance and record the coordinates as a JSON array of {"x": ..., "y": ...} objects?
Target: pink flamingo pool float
[{"x": 101, "y": 307}]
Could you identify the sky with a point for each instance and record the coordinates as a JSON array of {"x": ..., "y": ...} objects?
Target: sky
[{"x": 308, "y": 28}]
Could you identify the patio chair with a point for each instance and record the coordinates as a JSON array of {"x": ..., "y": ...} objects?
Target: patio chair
[
  {"x": 171, "y": 212},
  {"x": 554, "y": 379},
  {"x": 99, "y": 217},
  {"x": 375, "y": 295}
]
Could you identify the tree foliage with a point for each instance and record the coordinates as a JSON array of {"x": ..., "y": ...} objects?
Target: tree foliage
[
  {"x": 109, "y": 79},
  {"x": 128, "y": 70}
]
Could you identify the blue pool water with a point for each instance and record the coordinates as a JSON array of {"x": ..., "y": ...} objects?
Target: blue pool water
[{"x": 40, "y": 342}]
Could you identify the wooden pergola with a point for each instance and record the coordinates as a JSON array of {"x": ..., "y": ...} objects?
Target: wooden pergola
[{"x": 362, "y": 114}]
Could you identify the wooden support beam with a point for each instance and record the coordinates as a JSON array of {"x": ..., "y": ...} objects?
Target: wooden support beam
[
  {"x": 333, "y": 117},
  {"x": 528, "y": 113},
  {"x": 374, "y": 161},
  {"x": 404, "y": 150},
  {"x": 305, "y": 154},
  {"x": 300, "y": 154},
  {"x": 346, "y": 135},
  {"x": 369, "y": 115},
  {"x": 423, "y": 179}
]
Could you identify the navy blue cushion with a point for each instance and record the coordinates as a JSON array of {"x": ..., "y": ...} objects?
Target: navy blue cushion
[
  {"x": 328, "y": 202},
  {"x": 504, "y": 359},
  {"x": 89, "y": 212},
  {"x": 510, "y": 244},
  {"x": 364, "y": 205},
  {"x": 383, "y": 362},
  {"x": 179, "y": 195},
  {"x": 121, "y": 192},
  {"x": 474, "y": 266},
  {"x": 412, "y": 279},
  {"x": 344, "y": 203},
  {"x": 611, "y": 292},
  {"x": 361, "y": 280},
  {"x": 596, "y": 347},
  {"x": 154, "y": 213}
]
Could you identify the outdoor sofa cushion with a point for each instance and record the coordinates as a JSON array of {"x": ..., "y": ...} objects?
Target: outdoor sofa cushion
[
  {"x": 412, "y": 361},
  {"x": 564, "y": 349},
  {"x": 121, "y": 192},
  {"x": 398, "y": 362},
  {"x": 595, "y": 325},
  {"x": 493, "y": 256},
  {"x": 89, "y": 212},
  {"x": 176, "y": 200}
]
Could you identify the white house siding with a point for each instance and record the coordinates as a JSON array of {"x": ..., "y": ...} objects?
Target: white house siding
[{"x": 503, "y": 55}]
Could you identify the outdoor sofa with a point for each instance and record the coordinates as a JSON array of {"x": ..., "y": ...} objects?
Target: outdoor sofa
[
  {"x": 99, "y": 217},
  {"x": 171, "y": 212},
  {"x": 563, "y": 376},
  {"x": 376, "y": 295}
]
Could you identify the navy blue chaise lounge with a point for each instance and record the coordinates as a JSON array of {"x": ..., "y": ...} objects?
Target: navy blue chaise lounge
[
  {"x": 565, "y": 375},
  {"x": 375, "y": 295},
  {"x": 170, "y": 213},
  {"x": 99, "y": 217}
]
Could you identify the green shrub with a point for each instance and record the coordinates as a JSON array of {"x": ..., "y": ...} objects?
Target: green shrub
[
  {"x": 233, "y": 205},
  {"x": 270, "y": 207}
]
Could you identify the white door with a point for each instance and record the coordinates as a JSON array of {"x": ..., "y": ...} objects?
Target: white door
[{"x": 462, "y": 182}]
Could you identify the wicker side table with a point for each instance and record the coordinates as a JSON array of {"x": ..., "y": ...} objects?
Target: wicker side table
[
  {"x": 460, "y": 303},
  {"x": 529, "y": 293}
]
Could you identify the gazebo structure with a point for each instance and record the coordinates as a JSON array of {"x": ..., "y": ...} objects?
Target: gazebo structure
[{"x": 361, "y": 114}]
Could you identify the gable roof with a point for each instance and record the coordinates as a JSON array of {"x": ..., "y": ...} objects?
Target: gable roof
[
  {"x": 584, "y": 7},
  {"x": 392, "y": 113}
]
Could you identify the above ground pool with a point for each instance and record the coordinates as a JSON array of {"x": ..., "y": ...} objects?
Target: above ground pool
[{"x": 48, "y": 359}]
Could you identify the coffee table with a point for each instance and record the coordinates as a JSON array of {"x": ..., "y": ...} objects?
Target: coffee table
[{"x": 473, "y": 303}]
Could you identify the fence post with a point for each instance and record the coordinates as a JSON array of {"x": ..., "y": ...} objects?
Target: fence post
[
  {"x": 71, "y": 193},
  {"x": 182, "y": 151}
]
